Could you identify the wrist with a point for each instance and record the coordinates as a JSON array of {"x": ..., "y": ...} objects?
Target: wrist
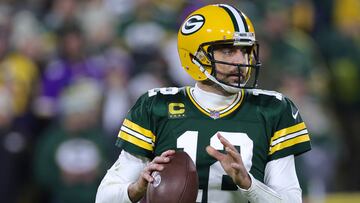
[
  {"x": 135, "y": 192},
  {"x": 246, "y": 183}
]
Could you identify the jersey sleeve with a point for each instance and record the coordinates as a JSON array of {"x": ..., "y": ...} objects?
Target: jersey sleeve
[
  {"x": 290, "y": 136},
  {"x": 136, "y": 134}
]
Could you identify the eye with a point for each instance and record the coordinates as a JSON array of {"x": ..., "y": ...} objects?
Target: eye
[
  {"x": 225, "y": 51},
  {"x": 229, "y": 51}
]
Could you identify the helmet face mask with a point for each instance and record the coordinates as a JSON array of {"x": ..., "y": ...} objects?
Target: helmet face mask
[
  {"x": 244, "y": 70},
  {"x": 214, "y": 27}
]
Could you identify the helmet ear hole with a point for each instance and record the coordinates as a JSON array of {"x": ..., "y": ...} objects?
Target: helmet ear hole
[
  {"x": 210, "y": 49},
  {"x": 210, "y": 52}
]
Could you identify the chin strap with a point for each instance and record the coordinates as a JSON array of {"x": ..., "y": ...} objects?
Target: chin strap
[{"x": 227, "y": 88}]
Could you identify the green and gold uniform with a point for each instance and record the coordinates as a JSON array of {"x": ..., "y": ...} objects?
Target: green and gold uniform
[{"x": 262, "y": 125}]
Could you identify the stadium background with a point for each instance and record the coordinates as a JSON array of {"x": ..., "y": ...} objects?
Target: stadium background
[{"x": 70, "y": 70}]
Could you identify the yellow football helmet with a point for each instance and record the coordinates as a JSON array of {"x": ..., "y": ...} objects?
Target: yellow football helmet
[{"x": 217, "y": 24}]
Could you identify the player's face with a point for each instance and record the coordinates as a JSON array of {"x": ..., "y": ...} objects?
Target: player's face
[{"x": 229, "y": 73}]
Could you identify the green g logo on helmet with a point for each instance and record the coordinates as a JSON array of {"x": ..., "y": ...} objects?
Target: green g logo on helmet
[{"x": 193, "y": 24}]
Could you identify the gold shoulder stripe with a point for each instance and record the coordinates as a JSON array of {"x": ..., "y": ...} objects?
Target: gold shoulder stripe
[
  {"x": 136, "y": 141},
  {"x": 133, "y": 126},
  {"x": 289, "y": 143},
  {"x": 287, "y": 131}
]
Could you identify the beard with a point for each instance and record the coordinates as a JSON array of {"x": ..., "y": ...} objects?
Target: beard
[{"x": 234, "y": 78}]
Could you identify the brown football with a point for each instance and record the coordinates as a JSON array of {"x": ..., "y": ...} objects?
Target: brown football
[{"x": 177, "y": 182}]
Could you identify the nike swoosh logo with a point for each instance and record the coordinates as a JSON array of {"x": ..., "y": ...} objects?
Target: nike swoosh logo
[{"x": 294, "y": 115}]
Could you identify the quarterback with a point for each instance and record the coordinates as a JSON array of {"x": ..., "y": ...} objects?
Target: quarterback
[{"x": 243, "y": 140}]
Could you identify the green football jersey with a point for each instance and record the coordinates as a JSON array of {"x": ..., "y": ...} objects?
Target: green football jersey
[{"x": 262, "y": 125}]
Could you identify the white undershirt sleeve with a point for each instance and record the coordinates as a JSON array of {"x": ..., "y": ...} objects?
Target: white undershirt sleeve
[
  {"x": 114, "y": 186},
  {"x": 281, "y": 183}
]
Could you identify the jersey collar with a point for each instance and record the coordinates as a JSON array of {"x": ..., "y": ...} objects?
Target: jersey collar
[{"x": 220, "y": 113}]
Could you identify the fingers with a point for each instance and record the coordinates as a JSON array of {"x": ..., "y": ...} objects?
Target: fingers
[
  {"x": 234, "y": 154},
  {"x": 168, "y": 153},
  {"x": 164, "y": 157},
  {"x": 225, "y": 142},
  {"x": 149, "y": 169},
  {"x": 146, "y": 175},
  {"x": 160, "y": 160},
  {"x": 228, "y": 147},
  {"x": 215, "y": 153},
  {"x": 157, "y": 164}
]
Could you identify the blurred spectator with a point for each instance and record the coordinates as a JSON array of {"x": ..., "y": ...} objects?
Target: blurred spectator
[
  {"x": 27, "y": 35},
  {"x": 14, "y": 152},
  {"x": 70, "y": 64},
  {"x": 166, "y": 13},
  {"x": 287, "y": 49},
  {"x": 71, "y": 155},
  {"x": 120, "y": 8},
  {"x": 341, "y": 48},
  {"x": 117, "y": 97},
  {"x": 303, "y": 15},
  {"x": 99, "y": 27},
  {"x": 117, "y": 100},
  {"x": 4, "y": 30},
  {"x": 155, "y": 74},
  {"x": 18, "y": 78},
  {"x": 62, "y": 11},
  {"x": 144, "y": 32},
  {"x": 18, "y": 70}
]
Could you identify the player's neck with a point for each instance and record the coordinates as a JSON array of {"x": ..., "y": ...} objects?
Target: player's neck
[
  {"x": 211, "y": 99},
  {"x": 213, "y": 88}
]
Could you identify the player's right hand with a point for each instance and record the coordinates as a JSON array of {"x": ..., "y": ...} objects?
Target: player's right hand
[
  {"x": 231, "y": 162},
  {"x": 137, "y": 189}
]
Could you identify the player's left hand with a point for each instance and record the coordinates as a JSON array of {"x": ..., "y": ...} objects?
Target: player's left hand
[{"x": 231, "y": 162}]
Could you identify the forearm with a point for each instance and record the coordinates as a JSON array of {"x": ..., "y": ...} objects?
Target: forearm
[
  {"x": 111, "y": 191},
  {"x": 261, "y": 193},
  {"x": 134, "y": 193},
  {"x": 114, "y": 186},
  {"x": 281, "y": 183}
]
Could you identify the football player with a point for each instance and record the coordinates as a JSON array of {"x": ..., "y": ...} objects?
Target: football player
[{"x": 243, "y": 140}]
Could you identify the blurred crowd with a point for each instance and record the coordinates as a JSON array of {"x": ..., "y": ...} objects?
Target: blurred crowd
[{"x": 71, "y": 69}]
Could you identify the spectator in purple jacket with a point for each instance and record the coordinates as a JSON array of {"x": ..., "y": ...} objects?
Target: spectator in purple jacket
[{"x": 70, "y": 64}]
